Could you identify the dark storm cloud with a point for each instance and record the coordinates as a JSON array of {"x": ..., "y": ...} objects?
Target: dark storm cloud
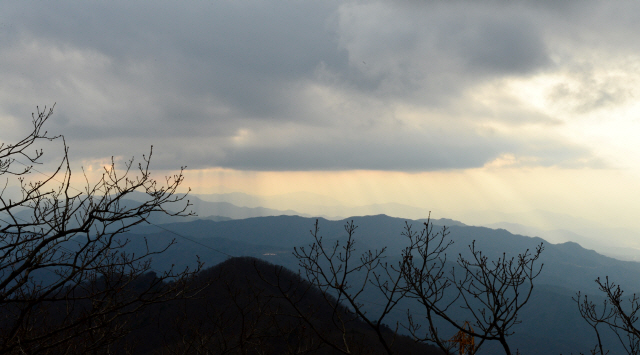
[
  {"x": 434, "y": 51},
  {"x": 247, "y": 56},
  {"x": 278, "y": 85},
  {"x": 509, "y": 46},
  {"x": 406, "y": 153}
]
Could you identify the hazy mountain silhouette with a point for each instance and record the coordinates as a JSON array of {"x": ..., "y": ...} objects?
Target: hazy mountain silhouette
[
  {"x": 377, "y": 232},
  {"x": 601, "y": 245},
  {"x": 204, "y": 209},
  {"x": 316, "y": 205},
  {"x": 554, "y": 227}
]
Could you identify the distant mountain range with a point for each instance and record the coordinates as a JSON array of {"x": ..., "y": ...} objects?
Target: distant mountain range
[
  {"x": 620, "y": 243},
  {"x": 311, "y": 204},
  {"x": 377, "y": 232},
  {"x": 603, "y": 245},
  {"x": 205, "y": 209}
]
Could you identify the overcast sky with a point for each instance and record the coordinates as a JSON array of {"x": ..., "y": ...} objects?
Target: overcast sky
[{"x": 445, "y": 105}]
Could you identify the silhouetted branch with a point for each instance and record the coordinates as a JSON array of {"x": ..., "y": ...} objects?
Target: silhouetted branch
[
  {"x": 491, "y": 292},
  {"x": 616, "y": 313},
  {"x": 66, "y": 280}
]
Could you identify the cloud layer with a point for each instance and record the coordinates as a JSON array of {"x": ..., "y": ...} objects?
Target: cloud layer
[{"x": 312, "y": 86}]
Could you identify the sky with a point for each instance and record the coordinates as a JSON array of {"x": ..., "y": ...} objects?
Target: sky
[{"x": 458, "y": 106}]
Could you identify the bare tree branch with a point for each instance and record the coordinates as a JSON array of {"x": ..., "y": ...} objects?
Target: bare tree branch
[
  {"x": 64, "y": 272},
  {"x": 490, "y": 292}
]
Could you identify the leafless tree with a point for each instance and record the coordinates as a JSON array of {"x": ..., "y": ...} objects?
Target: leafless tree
[
  {"x": 342, "y": 277},
  {"x": 67, "y": 284},
  {"x": 491, "y": 293},
  {"x": 617, "y": 313}
]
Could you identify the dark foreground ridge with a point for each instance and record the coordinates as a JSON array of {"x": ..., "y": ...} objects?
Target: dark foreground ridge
[{"x": 250, "y": 306}]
